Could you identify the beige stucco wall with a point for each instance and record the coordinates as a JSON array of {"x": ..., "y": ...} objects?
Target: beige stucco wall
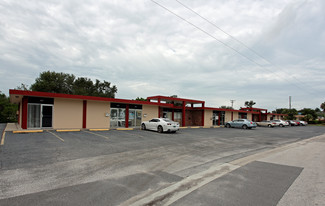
[
  {"x": 249, "y": 116},
  {"x": 235, "y": 115},
  {"x": 96, "y": 115},
  {"x": 67, "y": 113},
  {"x": 149, "y": 112},
  {"x": 268, "y": 117},
  {"x": 208, "y": 118},
  {"x": 228, "y": 116}
]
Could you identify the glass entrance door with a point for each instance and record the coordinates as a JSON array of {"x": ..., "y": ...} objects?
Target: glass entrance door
[
  {"x": 34, "y": 116},
  {"x": 135, "y": 117},
  {"x": 117, "y": 117},
  {"x": 39, "y": 115},
  {"x": 47, "y": 111}
]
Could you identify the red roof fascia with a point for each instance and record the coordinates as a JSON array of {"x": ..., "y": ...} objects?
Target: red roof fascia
[
  {"x": 252, "y": 108},
  {"x": 230, "y": 110},
  {"x": 72, "y": 96},
  {"x": 174, "y": 99}
]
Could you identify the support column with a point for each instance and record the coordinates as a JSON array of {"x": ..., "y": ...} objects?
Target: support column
[
  {"x": 24, "y": 113},
  {"x": 159, "y": 109},
  {"x": 232, "y": 116},
  {"x": 19, "y": 113},
  {"x": 84, "y": 115},
  {"x": 202, "y": 114},
  {"x": 219, "y": 117},
  {"x": 127, "y": 116},
  {"x": 183, "y": 114},
  {"x": 173, "y": 115}
]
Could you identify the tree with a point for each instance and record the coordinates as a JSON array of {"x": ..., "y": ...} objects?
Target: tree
[
  {"x": 289, "y": 112},
  {"x": 323, "y": 106},
  {"x": 250, "y": 104},
  {"x": 306, "y": 111},
  {"x": 141, "y": 99},
  {"x": 226, "y": 107},
  {"x": 68, "y": 84},
  {"x": 308, "y": 117},
  {"x": 317, "y": 110},
  {"x": 7, "y": 110},
  {"x": 22, "y": 87}
]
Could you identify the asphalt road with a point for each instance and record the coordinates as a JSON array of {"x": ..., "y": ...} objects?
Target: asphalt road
[{"x": 116, "y": 167}]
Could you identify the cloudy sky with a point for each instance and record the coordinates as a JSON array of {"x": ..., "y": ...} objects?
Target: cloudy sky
[{"x": 243, "y": 50}]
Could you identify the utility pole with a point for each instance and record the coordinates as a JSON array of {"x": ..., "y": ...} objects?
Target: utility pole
[
  {"x": 232, "y": 103},
  {"x": 289, "y": 102}
]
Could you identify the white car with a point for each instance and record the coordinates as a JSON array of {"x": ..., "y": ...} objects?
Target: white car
[
  {"x": 280, "y": 122},
  {"x": 303, "y": 123},
  {"x": 160, "y": 125}
]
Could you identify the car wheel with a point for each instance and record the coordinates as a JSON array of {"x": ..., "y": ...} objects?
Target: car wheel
[
  {"x": 228, "y": 125},
  {"x": 143, "y": 127},
  {"x": 244, "y": 126},
  {"x": 160, "y": 129},
  {"x": 269, "y": 125}
]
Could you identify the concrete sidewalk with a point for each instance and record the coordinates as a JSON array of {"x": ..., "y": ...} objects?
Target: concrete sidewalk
[{"x": 309, "y": 187}]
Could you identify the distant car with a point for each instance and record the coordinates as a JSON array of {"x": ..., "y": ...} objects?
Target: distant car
[
  {"x": 266, "y": 123},
  {"x": 280, "y": 122},
  {"x": 303, "y": 123},
  {"x": 292, "y": 123},
  {"x": 297, "y": 122},
  {"x": 161, "y": 125},
  {"x": 241, "y": 123}
]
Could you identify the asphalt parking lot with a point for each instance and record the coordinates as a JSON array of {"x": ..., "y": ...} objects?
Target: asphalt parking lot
[{"x": 112, "y": 167}]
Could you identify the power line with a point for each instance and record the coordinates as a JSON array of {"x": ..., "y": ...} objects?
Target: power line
[
  {"x": 207, "y": 33},
  {"x": 240, "y": 42}
]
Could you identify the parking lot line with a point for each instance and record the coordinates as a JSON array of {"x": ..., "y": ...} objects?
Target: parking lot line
[
  {"x": 96, "y": 134},
  {"x": 56, "y": 136},
  {"x": 3, "y": 138}
]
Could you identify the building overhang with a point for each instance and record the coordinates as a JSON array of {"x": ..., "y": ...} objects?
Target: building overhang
[{"x": 17, "y": 95}]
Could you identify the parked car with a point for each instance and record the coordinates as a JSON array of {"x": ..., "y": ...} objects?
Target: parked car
[
  {"x": 241, "y": 123},
  {"x": 160, "y": 125},
  {"x": 280, "y": 122},
  {"x": 303, "y": 123},
  {"x": 266, "y": 123},
  {"x": 297, "y": 122},
  {"x": 292, "y": 123}
]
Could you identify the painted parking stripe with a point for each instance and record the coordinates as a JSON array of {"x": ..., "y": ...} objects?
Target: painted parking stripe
[
  {"x": 3, "y": 138},
  {"x": 96, "y": 134},
  {"x": 56, "y": 136}
]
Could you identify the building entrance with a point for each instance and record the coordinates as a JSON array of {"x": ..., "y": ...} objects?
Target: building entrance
[{"x": 39, "y": 115}]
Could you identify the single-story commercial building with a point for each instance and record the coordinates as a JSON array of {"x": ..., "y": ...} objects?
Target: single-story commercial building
[{"x": 65, "y": 111}]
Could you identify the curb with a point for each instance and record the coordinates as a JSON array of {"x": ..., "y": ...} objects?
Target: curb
[
  {"x": 96, "y": 130},
  {"x": 123, "y": 129},
  {"x": 27, "y": 131}
]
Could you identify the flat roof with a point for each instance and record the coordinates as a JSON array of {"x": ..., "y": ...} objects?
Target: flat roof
[
  {"x": 16, "y": 96},
  {"x": 164, "y": 98}
]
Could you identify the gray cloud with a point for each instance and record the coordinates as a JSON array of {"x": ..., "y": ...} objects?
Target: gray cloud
[{"x": 145, "y": 50}]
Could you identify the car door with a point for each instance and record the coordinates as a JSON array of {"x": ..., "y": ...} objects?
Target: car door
[
  {"x": 240, "y": 123},
  {"x": 234, "y": 123},
  {"x": 151, "y": 124}
]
